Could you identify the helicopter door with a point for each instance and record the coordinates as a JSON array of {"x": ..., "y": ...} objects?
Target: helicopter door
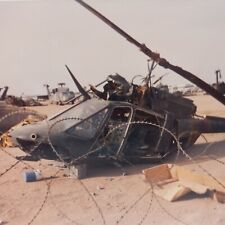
[
  {"x": 143, "y": 135},
  {"x": 114, "y": 132}
]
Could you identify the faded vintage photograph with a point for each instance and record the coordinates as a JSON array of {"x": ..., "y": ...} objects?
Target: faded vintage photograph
[{"x": 112, "y": 112}]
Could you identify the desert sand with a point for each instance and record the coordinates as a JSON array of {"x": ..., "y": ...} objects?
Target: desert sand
[{"x": 106, "y": 196}]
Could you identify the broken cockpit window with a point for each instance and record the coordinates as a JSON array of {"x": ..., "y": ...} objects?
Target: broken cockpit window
[
  {"x": 114, "y": 132},
  {"x": 88, "y": 127}
]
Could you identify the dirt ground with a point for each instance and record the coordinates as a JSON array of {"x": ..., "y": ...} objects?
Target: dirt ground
[{"x": 106, "y": 196}]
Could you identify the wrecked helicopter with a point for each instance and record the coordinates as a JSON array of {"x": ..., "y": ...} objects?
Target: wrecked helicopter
[
  {"x": 10, "y": 111},
  {"x": 60, "y": 95},
  {"x": 126, "y": 122}
]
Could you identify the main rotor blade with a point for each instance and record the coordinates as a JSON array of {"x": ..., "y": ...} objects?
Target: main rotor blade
[
  {"x": 79, "y": 87},
  {"x": 156, "y": 57},
  {"x": 77, "y": 97},
  {"x": 4, "y": 94}
]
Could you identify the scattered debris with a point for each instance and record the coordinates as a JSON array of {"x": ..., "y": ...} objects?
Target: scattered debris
[
  {"x": 13, "y": 100},
  {"x": 100, "y": 187},
  {"x": 172, "y": 182},
  {"x": 78, "y": 171},
  {"x": 32, "y": 175}
]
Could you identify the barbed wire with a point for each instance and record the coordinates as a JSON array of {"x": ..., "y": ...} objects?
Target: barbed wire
[
  {"x": 100, "y": 148},
  {"x": 22, "y": 111},
  {"x": 42, "y": 205},
  {"x": 18, "y": 160},
  {"x": 41, "y": 117},
  {"x": 179, "y": 149},
  {"x": 48, "y": 184},
  {"x": 202, "y": 168},
  {"x": 144, "y": 217},
  {"x": 134, "y": 204},
  {"x": 94, "y": 201},
  {"x": 58, "y": 209},
  {"x": 50, "y": 128},
  {"x": 61, "y": 159},
  {"x": 167, "y": 212},
  {"x": 31, "y": 167},
  {"x": 8, "y": 169},
  {"x": 14, "y": 113},
  {"x": 207, "y": 148}
]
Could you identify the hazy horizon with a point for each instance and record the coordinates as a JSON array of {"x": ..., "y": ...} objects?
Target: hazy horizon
[{"x": 39, "y": 37}]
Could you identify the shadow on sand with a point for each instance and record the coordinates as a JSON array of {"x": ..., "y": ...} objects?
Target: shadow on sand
[{"x": 199, "y": 153}]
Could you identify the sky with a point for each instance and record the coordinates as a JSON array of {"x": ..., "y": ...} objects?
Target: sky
[{"x": 37, "y": 38}]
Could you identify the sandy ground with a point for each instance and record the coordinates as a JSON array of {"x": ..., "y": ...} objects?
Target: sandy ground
[{"x": 106, "y": 196}]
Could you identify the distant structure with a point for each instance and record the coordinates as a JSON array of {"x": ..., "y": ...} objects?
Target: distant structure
[
  {"x": 219, "y": 86},
  {"x": 59, "y": 95}
]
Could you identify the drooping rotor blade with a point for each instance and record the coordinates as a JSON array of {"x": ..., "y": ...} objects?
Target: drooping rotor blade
[
  {"x": 77, "y": 97},
  {"x": 156, "y": 57},
  {"x": 4, "y": 94},
  {"x": 79, "y": 87}
]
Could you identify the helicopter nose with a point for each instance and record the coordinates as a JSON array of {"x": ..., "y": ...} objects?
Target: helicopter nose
[{"x": 29, "y": 136}]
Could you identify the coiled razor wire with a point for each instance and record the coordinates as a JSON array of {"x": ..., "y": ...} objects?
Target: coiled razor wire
[
  {"x": 58, "y": 209},
  {"x": 41, "y": 117},
  {"x": 48, "y": 184},
  {"x": 179, "y": 149},
  {"x": 25, "y": 112},
  {"x": 144, "y": 217},
  {"x": 164, "y": 209},
  {"x": 11, "y": 167},
  {"x": 47, "y": 189},
  {"x": 94, "y": 201},
  {"x": 207, "y": 148},
  {"x": 99, "y": 149},
  {"x": 22, "y": 111},
  {"x": 135, "y": 203},
  {"x": 107, "y": 135}
]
